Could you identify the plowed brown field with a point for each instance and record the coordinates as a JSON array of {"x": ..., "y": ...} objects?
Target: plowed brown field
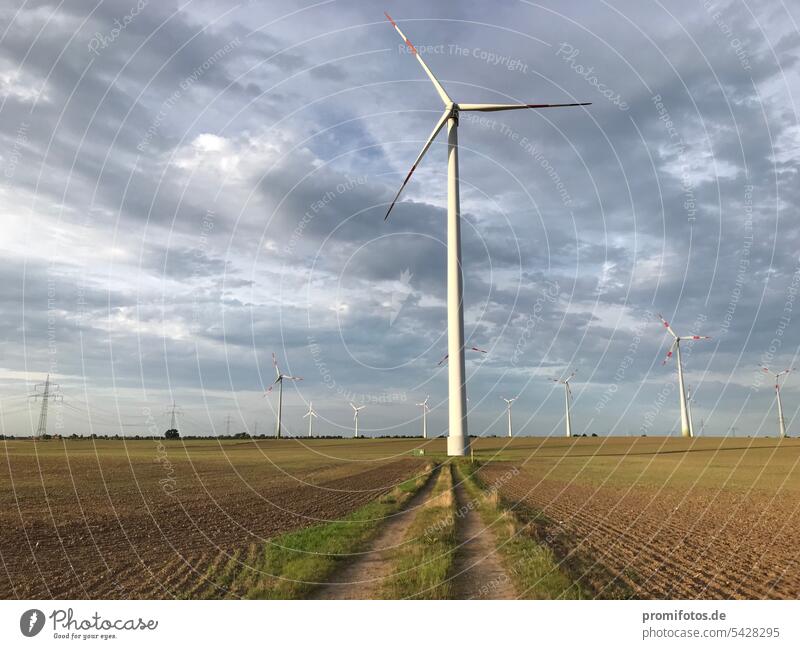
[
  {"x": 80, "y": 519},
  {"x": 666, "y": 518}
]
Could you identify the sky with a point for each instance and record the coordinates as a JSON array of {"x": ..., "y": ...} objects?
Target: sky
[{"x": 188, "y": 188}]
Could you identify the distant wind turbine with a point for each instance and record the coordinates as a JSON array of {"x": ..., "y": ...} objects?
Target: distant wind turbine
[
  {"x": 279, "y": 379},
  {"x": 567, "y": 400},
  {"x": 425, "y": 408},
  {"x": 781, "y": 421},
  {"x": 686, "y": 420},
  {"x": 457, "y": 439},
  {"x": 472, "y": 349},
  {"x": 311, "y": 416},
  {"x": 508, "y": 410},
  {"x": 356, "y": 410}
]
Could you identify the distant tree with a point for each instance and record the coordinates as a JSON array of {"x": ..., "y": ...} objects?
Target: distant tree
[{"x": 172, "y": 433}]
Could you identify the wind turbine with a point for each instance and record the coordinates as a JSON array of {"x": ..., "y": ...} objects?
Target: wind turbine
[
  {"x": 508, "y": 409},
  {"x": 356, "y": 410},
  {"x": 311, "y": 416},
  {"x": 781, "y": 422},
  {"x": 567, "y": 399},
  {"x": 457, "y": 439},
  {"x": 686, "y": 418},
  {"x": 279, "y": 379},
  {"x": 425, "y": 408},
  {"x": 472, "y": 349}
]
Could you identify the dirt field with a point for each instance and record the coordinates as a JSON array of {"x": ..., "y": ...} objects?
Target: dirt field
[
  {"x": 669, "y": 518},
  {"x": 627, "y": 517},
  {"x": 84, "y": 519}
]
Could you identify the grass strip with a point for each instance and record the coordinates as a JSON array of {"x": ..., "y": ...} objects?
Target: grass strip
[
  {"x": 531, "y": 566},
  {"x": 291, "y": 565},
  {"x": 420, "y": 565}
]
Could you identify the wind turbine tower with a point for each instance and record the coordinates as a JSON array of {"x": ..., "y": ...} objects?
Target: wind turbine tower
[
  {"x": 567, "y": 400},
  {"x": 425, "y": 408},
  {"x": 356, "y": 410},
  {"x": 279, "y": 379},
  {"x": 311, "y": 416},
  {"x": 457, "y": 438},
  {"x": 508, "y": 410},
  {"x": 781, "y": 421},
  {"x": 686, "y": 419}
]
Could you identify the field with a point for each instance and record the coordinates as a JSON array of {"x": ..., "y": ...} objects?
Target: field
[
  {"x": 658, "y": 518},
  {"x": 616, "y": 517},
  {"x": 147, "y": 519}
]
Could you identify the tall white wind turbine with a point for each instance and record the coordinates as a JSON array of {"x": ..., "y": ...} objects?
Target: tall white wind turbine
[
  {"x": 781, "y": 421},
  {"x": 311, "y": 416},
  {"x": 425, "y": 409},
  {"x": 567, "y": 401},
  {"x": 457, "y": 439},
  {"x": 687, "y": 429},
  {"x": 356, "y": 410},
  {"x": 508, "y": 410},
  {"x": 279, "y": 379}
]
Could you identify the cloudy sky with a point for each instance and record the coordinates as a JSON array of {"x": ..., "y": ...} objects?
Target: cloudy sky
[{"x": 189, "y": 187}]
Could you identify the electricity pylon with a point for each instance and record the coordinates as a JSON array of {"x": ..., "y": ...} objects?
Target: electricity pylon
[
  {"x": 173, "y": 412},
  {"x": 49, "y": 392}
]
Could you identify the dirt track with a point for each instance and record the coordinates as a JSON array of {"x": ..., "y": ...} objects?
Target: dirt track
[
  {"x": 477, "y": 571},
  {"x": 362, "y": 577}
]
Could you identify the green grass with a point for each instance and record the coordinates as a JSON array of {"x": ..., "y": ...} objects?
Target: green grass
[
  {"x": 420, "y": 566},
  {"x": 531, "y": 566},
  {"x": 289, "y": 566}
]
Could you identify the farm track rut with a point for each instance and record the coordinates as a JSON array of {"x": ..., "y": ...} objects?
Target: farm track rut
[
  {"x": 478, "y": 572},
  {"x": 362, "y": 577}
]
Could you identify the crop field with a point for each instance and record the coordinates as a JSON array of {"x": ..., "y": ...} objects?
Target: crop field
[
  {"x": 146, "y": 519},
  {"x": 662, "y": 518},
  {"x": 613, "y": 517}
]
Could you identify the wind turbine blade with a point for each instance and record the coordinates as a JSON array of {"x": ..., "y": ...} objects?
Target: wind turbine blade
[
  {"x": 490, "y": 108},
  {"x": 444, "y": 358},
  {"x": 693, "y": 337},
  {"x": 442, "y": 94},
  {"x": 294, "y": 378},
  {"x": 442, "y": 121},
  {"x": 669, "y": 353},
  {"x": 275, "y": 365},
  {"x": 476, "y": 349},
  {"x": 666, "y": 324}
]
